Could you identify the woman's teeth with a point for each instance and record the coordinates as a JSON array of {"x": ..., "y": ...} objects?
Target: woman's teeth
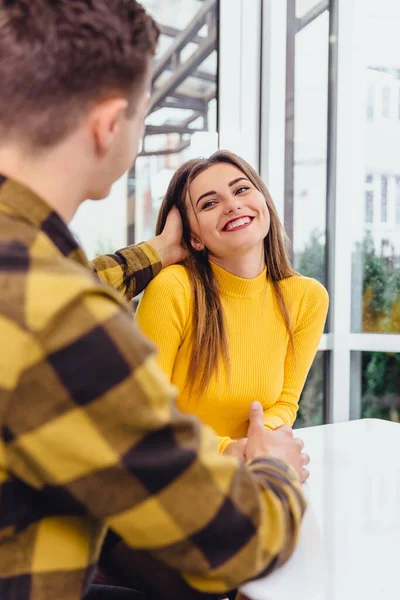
[{"x": 237, "y": 223}]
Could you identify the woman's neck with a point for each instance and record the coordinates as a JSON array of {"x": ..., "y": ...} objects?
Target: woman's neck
[{"x": 247, "y": 265}]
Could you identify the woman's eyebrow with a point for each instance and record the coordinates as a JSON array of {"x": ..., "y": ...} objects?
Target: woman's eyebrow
[
  {"x": 205, "y": 195},
  {"x": 212, "y": 192},
  {"x": 238, "y": 179}
]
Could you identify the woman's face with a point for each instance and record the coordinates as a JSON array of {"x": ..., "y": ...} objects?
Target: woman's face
[{"x": 227, "y": 214}]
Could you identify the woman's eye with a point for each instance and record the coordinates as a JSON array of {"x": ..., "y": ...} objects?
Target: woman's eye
[
  {"x": 241, "y": 189},
  {"x": 208, "y": 204}
]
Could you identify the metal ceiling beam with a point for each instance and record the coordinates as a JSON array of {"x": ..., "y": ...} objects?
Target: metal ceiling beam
[
  {"x": 198, "y": 74},
  {"x": 210, "y": 95},
  {"x": 167, "y": 129},
  {"x": 185, "y": 70},
  {"x": 192, "y": 118},
  {"x": 312, "y": 14},
  {"x": 204, "y": 76},
  {"x": 172, "y": 32},
  {"x": 183, "y": 102},
  {"x": 186, "y": 36},
  {"x": 187, "y": 90}
]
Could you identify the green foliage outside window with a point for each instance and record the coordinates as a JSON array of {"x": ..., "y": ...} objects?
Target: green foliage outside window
[
  {"x": 311, "y": 263},
  {"x": 380, "y": 314}
]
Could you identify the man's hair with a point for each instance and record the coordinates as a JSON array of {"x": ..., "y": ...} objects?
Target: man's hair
[{"x": 59, "y": 57}]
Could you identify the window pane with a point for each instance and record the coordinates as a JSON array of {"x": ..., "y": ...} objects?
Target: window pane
[
  {"x": 182, "y": 122},
  {"x": 376, "y": 222},
  {"x": 311, "y": 406},
  {"x": 310, "y": 148},
  {"x": 375, "y": 389}
]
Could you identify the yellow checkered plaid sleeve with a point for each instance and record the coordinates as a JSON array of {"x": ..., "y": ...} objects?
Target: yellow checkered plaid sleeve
[
  {"x": 129, "y": 270},
  {"x": 104, "y": 439}
]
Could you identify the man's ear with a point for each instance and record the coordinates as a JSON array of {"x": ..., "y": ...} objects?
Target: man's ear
[
  {"x": 105, "y": 122},
  {"x": 196, "y": 243}
]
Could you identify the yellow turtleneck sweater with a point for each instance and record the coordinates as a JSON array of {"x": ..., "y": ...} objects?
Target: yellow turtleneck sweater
[{"x": 263, "y": 365}]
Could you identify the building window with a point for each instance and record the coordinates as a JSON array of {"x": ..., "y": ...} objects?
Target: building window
[
  {"x": 370, "y": 103},
  {"x": 386, "y": 102},
  {"x": 369, "y": 206},
  {"x": 398, "y": 200},
  {"x": 369, "y": 178},
  {"x": 384, "y": 198}
]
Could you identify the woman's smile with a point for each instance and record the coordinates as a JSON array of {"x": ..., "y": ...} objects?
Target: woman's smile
[{"x": 238, "y": 223}]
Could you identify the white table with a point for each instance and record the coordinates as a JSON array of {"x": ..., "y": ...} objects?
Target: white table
[{"x": 349, "y": 546}]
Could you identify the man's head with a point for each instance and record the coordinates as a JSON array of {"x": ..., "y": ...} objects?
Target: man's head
[{"x": 76, "y": 72}]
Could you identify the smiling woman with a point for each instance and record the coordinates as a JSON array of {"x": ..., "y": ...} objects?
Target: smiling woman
[
  {"x": 234, "y": 205},
  {"x": 234, "y": 323}
]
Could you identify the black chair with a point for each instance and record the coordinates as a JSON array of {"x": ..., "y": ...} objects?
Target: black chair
[{"x": 106, "y": 592}]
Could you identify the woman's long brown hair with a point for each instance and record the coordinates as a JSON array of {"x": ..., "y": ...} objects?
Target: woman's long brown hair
[{"x": 209, "y": 338}]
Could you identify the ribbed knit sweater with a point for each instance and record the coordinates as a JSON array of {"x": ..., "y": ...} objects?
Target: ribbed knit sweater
[{"x": 263, "y": 365}]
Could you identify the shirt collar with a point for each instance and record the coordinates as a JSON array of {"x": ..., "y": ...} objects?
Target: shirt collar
[{"x": 23, "y": 203}]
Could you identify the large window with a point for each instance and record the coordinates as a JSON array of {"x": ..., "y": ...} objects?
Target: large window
[
  {"x": 306, "y": 135},
  {"x": 306, "y": 165},
  {"x": 376, "y": 250},
  {"x": 310, "y": 148},
  {"x": 375, "y": 356},
  {"x": 182, "y": 122},
  {"x": 341, "y": 194}
]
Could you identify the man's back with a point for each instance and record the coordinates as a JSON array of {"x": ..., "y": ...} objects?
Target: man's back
[
  {"x": 44, "y": 531},
  {"x": 91, "y": 438}
]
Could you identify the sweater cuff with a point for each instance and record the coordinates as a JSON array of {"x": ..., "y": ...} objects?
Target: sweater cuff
[
  {"x": 273, "y": 421},
  {"x": 223, "y": 443}
]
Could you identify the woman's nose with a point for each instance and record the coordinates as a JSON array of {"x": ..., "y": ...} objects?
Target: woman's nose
[{"x": 231, "y": 204}]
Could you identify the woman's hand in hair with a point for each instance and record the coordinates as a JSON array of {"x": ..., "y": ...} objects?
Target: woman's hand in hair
[
  {"x": 237, "y": 448},
  {"x": 168, "y": 244}
]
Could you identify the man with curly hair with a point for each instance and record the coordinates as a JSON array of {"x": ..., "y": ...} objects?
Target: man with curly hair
[{"x": 90, "y": 438}]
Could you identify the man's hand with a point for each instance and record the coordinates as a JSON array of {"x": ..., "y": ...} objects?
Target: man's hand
[
  {"x": 275, "y": 444},
  {"x": 237, "y": 449},
  {"x": 168, "y": 244}
]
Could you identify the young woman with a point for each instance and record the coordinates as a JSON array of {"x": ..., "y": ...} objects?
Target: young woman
[{"x": 234, "y": 322}]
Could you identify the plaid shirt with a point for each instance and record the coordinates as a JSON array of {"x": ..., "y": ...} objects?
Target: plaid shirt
[{"x": 91, "y": 439}]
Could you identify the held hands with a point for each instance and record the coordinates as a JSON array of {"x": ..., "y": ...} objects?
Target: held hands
[
  {"x": 279, "y": 444},
  {"x": 168, "y": 244}
]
